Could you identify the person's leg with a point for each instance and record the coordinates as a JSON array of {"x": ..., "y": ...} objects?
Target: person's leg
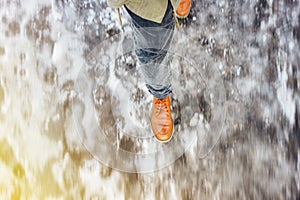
[{"x": 152, "y": 42}]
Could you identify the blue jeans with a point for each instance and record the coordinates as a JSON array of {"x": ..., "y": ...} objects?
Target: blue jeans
[{"x": 152, "y": 42}]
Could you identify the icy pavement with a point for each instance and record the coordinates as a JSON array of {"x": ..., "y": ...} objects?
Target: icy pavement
[{"x": 64, "y": 105}]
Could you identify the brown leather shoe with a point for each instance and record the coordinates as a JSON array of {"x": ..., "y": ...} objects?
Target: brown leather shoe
[
  {"x": 183, "y": 8},
  {"x": 161, "y": 119}
]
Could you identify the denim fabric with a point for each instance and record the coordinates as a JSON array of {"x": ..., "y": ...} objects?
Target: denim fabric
[{"x": 152, "y": 42}]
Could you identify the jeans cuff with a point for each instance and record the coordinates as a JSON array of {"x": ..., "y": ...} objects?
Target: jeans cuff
[{"x": 159, "y": 92}]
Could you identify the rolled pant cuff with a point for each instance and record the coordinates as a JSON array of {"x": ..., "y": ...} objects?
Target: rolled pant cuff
[{"x": 161, "y": 92}]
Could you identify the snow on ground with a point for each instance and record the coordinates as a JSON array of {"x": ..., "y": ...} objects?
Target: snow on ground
[{"x": 236, "y": 104}]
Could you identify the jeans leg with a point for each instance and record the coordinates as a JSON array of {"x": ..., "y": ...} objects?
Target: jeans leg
[{"x": 152, "y": 42}]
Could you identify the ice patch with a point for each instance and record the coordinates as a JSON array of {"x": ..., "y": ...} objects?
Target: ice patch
[
  {"x": 285, "y": 96},
  {"x": 96, "y": 186},
  {"x": 195, "y": 119}
]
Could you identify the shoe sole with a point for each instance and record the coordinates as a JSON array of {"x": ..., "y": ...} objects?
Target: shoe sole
[{"x": 182, "y": 17}]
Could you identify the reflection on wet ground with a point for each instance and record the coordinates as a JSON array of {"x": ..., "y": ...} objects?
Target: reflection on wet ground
[{"x": 251, "y": 47}]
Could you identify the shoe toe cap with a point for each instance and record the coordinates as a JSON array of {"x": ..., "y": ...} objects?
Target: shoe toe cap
[{"x": 164, "y": 135}]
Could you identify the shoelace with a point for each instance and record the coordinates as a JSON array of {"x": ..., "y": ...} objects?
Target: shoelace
[{"x": 161, "y": 104}]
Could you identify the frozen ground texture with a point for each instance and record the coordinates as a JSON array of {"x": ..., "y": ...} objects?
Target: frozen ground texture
[{"x": 254, "y": 45}]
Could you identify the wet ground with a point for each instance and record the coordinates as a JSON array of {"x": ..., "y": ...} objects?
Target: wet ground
[{"x": 236, "y": 104}]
